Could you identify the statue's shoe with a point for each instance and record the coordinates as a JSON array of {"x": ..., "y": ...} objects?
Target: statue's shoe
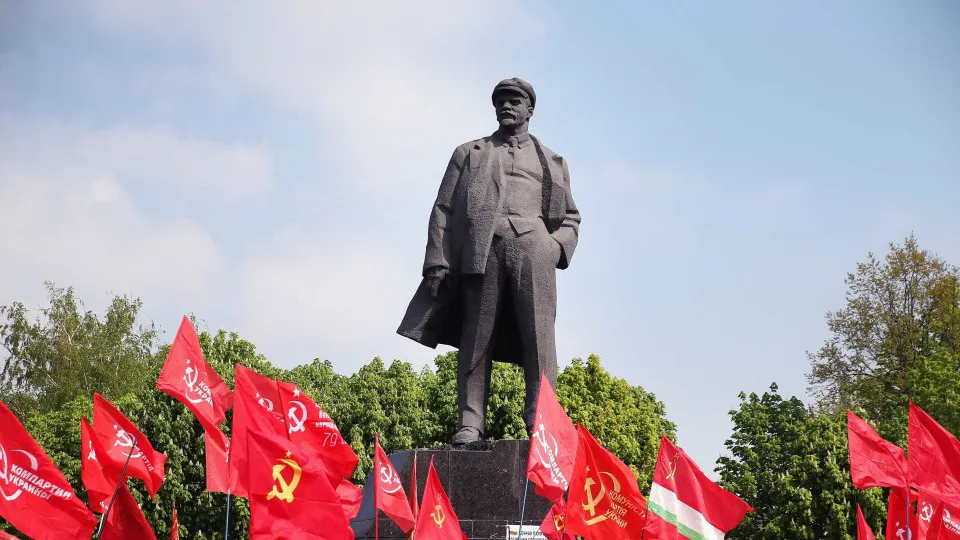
[{"x": 465, "y": 436}]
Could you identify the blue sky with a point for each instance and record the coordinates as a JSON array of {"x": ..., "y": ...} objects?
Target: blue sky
[{"x": 270, "y": 166}]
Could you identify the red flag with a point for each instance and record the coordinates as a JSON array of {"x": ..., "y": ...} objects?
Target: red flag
[
  {"x": 117, "y": 433},
  {"x": 682, "y": 496},
  {"x": 217, "y": 450},
  {"x": 100, "y": 480},
  {"x": 188, "y": 378},
  {"x": 553, "y": 526},
  {"x": 897, "y": 516},
  {"x": 874, "y": 461},
  {"x": 350, "y": 495},
  {"x": 256, "y": 409},
  {"x": 307, "y": 423},
  {"x": 388, "y": 491},
  {"x": 863, "y": 528},
  {"x": 126, "y": 519},
  {"x": 290, "y": 494},
  {"x": 604, "y": 500},
  {"x": 437, "y": 520},
  {"x": 34, "y": 495},
  {"x": 937, "y": 520},
  {"x": 174, "y": 528},
  {"x": 553, "y": 446},
  {"x": 934, "y": 457}
]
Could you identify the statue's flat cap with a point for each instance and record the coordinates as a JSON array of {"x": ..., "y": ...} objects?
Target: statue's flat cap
[{"x": 516, "y": 84}]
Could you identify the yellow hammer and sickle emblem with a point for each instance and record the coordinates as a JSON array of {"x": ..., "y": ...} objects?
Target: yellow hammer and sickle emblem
[
  {"x": 673, "y": 467},
  {"x": 438, "y": 516},
  {"x": 558, "y": 523},
  {"x": 594, "y": 500},
  {"x": 286, "y": 490}
]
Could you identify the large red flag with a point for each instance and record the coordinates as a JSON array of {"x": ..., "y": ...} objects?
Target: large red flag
[
  {"x": 553, "y": 446},
  {"x": 604, "y": 501},
  {"x": 937, "y": 520},
  {"x": 934, "y": 457},
  {"x": 897, "y": 510},
  {"x": 34, "y": 495},
  {"x": 290, "y": 494},
  {"x": 683, "y": 501},
  {"x": 188, "y": 378},
  {"x": 388, "y": 491},
  {"x": 126, "y": 520},
  {"x": 437, "y": 519},
  {"x": 217, "y": 449},
  {"x": 863, "y": 528},
  {"x": 99, "y": 479},
  {"x": 117, "y": 433},
  {"x": 307, "y": 423},
  {"x": 257, "y": 408},
  {"x": 874, "y": 461}
]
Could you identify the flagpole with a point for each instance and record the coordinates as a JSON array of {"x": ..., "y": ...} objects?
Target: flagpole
[
  {"x": 376, "y": 490},
  {"x": 523, "y": 508},
  {"x": 226, "y": 530},
  {"x": 123, "y": 471}
]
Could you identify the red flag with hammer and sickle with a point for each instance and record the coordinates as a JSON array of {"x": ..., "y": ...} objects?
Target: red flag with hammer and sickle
[
  {"x": 34, "y": 495},
  {"x": 290, "y": 494},
  {"x": 188, "y": 378},
  {"x": 554, "y": 526},
  {"x": 99, "y": 479},
  {"x": 437, "y": 519},
  {"x": 553, "y": 446},
  {"x": 388, "y": 491},
  {"x": 604, "y": 500},
  {"x": 257, "y": 408},
  {"x": 117, "y": 434}
]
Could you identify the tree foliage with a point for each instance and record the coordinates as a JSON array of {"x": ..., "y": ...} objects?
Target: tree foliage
[
  {"x": 793, "y": 468},
  {"x": 901, "y": 317}
]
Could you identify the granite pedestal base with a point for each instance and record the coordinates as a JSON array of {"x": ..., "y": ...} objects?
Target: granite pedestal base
[{"x": 485, "y": 488}]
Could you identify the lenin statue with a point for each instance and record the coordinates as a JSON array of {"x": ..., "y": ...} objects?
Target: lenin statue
[{"x": 503, "y": 222}]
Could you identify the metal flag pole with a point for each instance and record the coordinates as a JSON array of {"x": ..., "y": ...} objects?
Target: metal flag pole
[
  {"x": 123, "y": 471},
  {"x": 226, "y": 530},
  {"x": 523, "y": 508}
]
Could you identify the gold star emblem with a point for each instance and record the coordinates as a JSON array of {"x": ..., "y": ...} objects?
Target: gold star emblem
[{"x": 288, "y": 453}]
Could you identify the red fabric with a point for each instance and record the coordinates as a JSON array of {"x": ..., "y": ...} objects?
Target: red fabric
[
  {"x": 99, "y": 479},
  {"x": 553, "y": 526},
  {"x": 257, "y": 408},
  {"x": 604, "y": 500},
  {"x": 934, "y": 458},
  {"x": 437, "y": 519},
  {"x": 307, "y": 423},
  {"x": 350, "y": 495},
  {"x": 388, "y": 491},
  {"x": 34, "y": 495},
  {"x": 174, "y": 528},
  {"x": 874, "y": 461},
  {"x": 677, "y": 472},
  {"x": 863, "y": 528},
  {"x": 897, "y": 516},
  {"x": 937, "y": 520},
  {"x": 117, "y": 433},
  {"x": 188, "y": 378},
  {"x": 126, "y": 520},
  {"x": 217, "y": 452},
  {"x": 290, "y": 493},
  {"x": 553, "y": 446}
]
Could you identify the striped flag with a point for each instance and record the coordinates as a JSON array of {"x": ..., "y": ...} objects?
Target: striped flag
[{"x": 685, "y": 504}]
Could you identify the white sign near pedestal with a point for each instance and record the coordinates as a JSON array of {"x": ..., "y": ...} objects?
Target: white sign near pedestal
[{"x": 529, "y": 532}]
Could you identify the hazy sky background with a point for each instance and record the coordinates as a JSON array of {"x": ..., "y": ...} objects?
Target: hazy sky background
[{"x": 270, "y": 167}]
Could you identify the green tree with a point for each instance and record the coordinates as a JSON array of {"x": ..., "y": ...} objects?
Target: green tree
[
  {"x": 70, "y": 352},
  {"x": 900, "y": 314},
  {"x": 626, "y": 419},
  {"x": 792, "y": 467}
]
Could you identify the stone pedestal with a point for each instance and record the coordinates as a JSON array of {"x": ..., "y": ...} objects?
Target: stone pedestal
[{"x": 485, "y": 488}]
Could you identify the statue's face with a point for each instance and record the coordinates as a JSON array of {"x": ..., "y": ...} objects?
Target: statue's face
[{"x": 513, "y": 109}]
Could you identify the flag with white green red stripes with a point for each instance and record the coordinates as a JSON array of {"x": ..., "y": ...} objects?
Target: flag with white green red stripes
[{"x": 685, "y": 504}]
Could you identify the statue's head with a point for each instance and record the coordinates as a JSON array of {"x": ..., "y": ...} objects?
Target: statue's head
[{"x": 514, "y": 100}]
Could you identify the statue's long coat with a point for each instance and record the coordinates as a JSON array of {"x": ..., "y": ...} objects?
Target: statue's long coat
[{"x": 459, "y": 237}]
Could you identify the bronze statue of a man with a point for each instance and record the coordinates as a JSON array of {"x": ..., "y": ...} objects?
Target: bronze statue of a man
[{"x": 504, "y": 220}]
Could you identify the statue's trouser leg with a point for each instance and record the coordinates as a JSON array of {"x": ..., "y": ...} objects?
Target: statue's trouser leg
[
  {"x": 533, "y": 286},
  {"x": 482, "y": 296}
]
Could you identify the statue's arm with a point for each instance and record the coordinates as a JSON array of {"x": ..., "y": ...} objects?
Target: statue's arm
[
  {"x": 568, "y": 232},
  {"x": 438, "y": 252}
]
